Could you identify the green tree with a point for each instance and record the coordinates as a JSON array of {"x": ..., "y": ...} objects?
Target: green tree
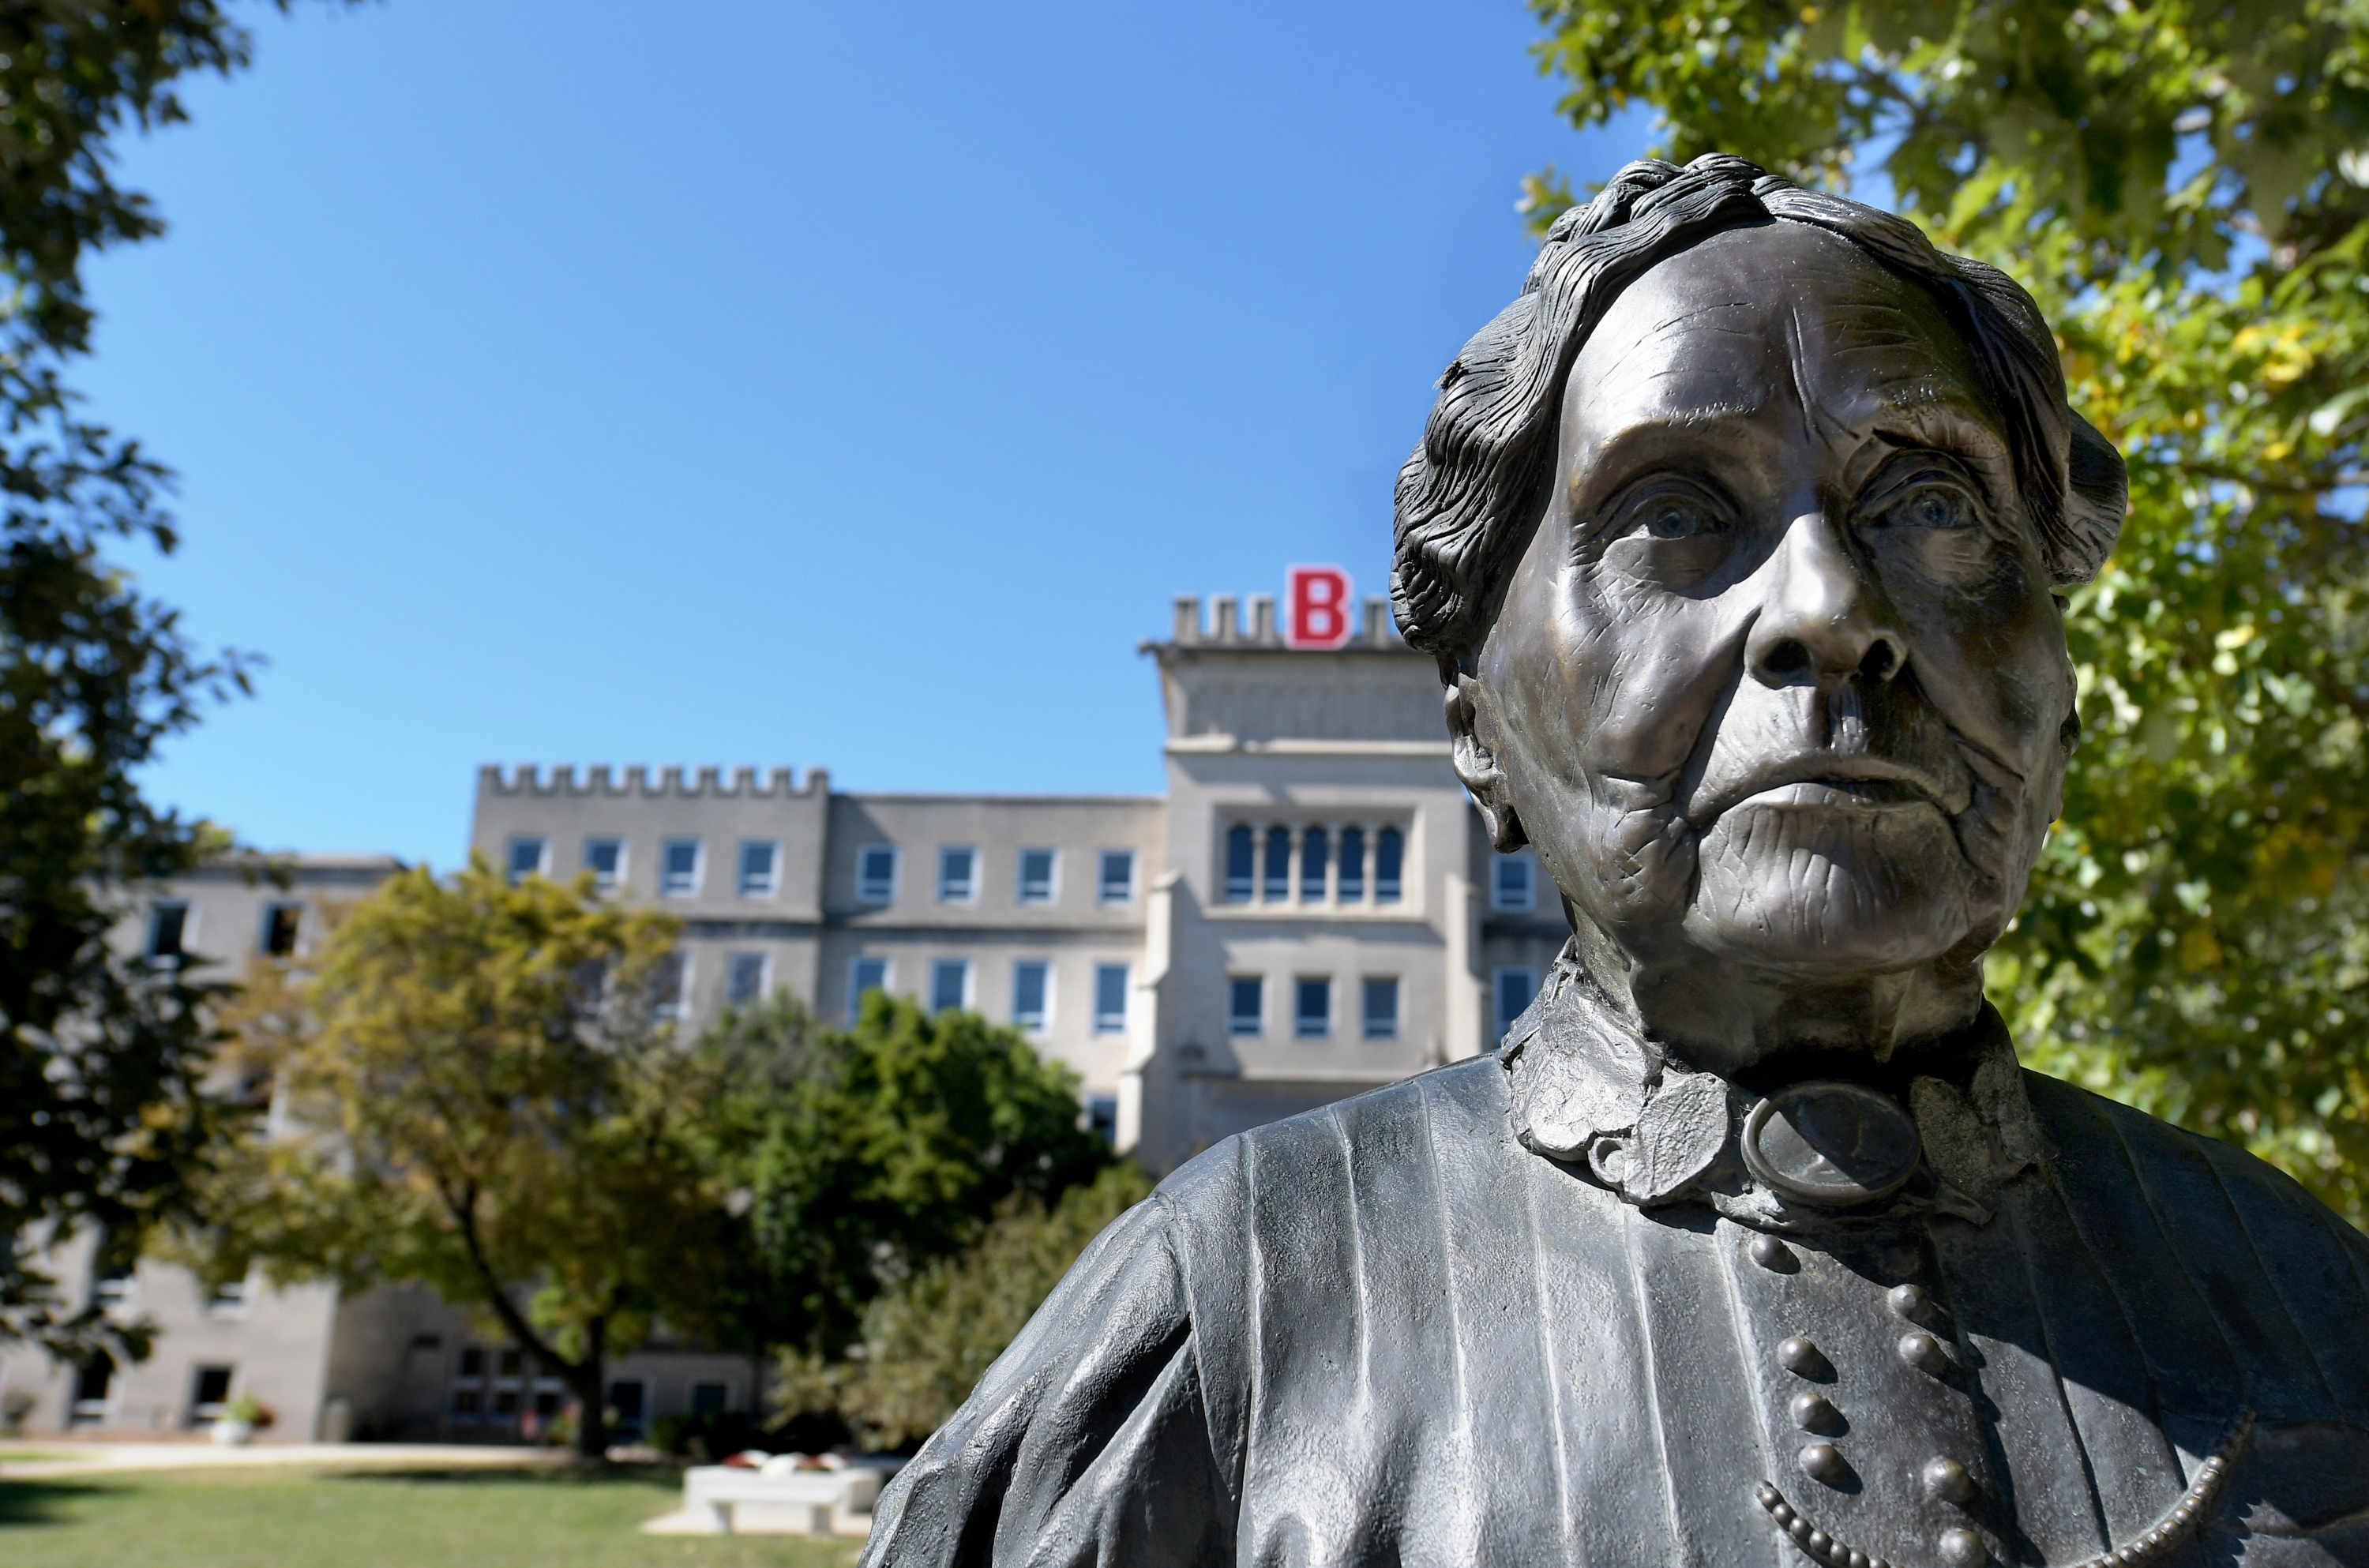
[
  {"x": 928, "y": 1339},
  {"x": 103, "y": 1115},
  {"x": 488, "y": 1102},
  {"x": 898, "y": 1140},
  {"x": 2181, "y": 186}
]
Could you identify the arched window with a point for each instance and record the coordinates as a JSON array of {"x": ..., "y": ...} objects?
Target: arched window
[
  {"x": 1313, "y": 857},
  {"x": 1278, "y": 865},
  {"x": 1389, "y": 855},
  {"x": 1353, "y": 864},
  {"x": 1242, "y": 869}
]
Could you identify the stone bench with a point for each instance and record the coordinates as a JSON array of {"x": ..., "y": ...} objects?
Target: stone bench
[{"x": 814, "y": 1502}]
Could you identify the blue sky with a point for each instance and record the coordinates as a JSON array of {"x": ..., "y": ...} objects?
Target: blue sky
[{"x": 731, "y": 382}]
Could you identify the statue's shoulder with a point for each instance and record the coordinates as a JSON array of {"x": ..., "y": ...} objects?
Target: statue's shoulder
[
  {"x": 2197, "y": 1186},
  {"x": 1304, "y": 1162}
]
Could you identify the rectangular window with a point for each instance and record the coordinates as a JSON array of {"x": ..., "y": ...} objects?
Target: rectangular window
[
  {"x": 1117, "y": 883},
  {"x": 589, "y": 981},
  {"x": 669, "y": 984},
  {"x": 1102, "y": 1117},
  {"x": 1245, "y": 1005},
  {"x": 1278, "y": 865},
  {"x": 92, "y": 1381},
  {"x": 1515, "y": 989},
  {"x": 1381, "y": 1008},
  {"x": 710, "y": 1399},
  {"x": 957, "y": 876},
  {"x": 168, "y": 930},
  {"x": 679, "y": 868},
  {"x": 113, "y": 1283},
  {"x": 864, "y": 975},
  {"x": 949, "y": 984},
  {"x": 1311, "y": 1007},
  {"x": 744, "y": 978},
  {"x": 760, "y": 868},
  {"x": 1036, "y": 876},
  {"x": 281, "y": 923},
  {"x": 1313, "y": 857},
  {"x": 1512, "y": 885},
  {"x": 625, "y": 1403},
  {"x": 875, "y": 873},
  {"x": 526, "y": 859},
  {"x": 1110, "y": 998},
  {"x": 1242, "y": 864},
  {"x": 605, "y": 859},
  {"x": 1390, "y": 856},
  {"x": 208, "y": 1391},
  {"x": 1030, "y": 979},
  {"x": 1352, "y": 866}
]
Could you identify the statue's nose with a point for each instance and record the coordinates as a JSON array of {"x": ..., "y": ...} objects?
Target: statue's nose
[{"x": 1821, "y": 620}]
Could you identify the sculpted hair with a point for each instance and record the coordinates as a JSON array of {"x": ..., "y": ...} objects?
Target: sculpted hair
[{"x": 1473, "y": 493}]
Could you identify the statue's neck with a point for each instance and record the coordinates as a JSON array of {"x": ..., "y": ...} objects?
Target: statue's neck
[
  {"x": 1591, "y": 1089},
  {"x": 1724, "y": 1015}
]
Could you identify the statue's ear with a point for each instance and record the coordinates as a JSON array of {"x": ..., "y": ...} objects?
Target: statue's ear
[
  {"x": 1476, "y": 765},
  {"x": 2096, "y": 500}
]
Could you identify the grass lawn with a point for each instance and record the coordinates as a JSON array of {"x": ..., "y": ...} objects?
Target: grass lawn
[{"x": 398, "y": 1518}]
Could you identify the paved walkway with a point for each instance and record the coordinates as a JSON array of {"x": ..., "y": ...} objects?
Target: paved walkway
[{"x": 63, "y": 1458}]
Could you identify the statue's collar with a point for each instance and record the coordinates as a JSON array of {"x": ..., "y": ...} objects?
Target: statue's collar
[{"x": 1589, "y": 1090}]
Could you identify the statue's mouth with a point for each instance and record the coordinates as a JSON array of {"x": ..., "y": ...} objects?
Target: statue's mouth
[
  {"x": 1867, "y": 794},
  {"x": 1829, "y": 780}
]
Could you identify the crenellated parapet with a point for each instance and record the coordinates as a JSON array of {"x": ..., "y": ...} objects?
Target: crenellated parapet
[
  {"x": 530, "y": 779},
  {"x": 1229, "y": 628}
]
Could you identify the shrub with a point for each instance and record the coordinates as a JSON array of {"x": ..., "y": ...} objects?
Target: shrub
[{"x": 928, "y": 1340}]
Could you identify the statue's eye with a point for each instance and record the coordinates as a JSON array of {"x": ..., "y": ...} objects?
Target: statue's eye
[
  {"x": 1936, "y": 507},
  {"x": 1677, "y": 517},
  {"x": 1668, "y": 530}
]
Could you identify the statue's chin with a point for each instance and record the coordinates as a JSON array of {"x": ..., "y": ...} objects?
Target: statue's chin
[{"x": 1838, "y": 888}]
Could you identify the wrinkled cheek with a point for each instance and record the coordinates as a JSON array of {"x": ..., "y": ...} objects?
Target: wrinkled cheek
[
  {"x": 2007, "y": 680},
  {"x": 2001, "y": 833},
  {"x": 1649, "y": 868},
  {"x": 1624, "y": 861},
  {"x": 1649, "y": 695},
  {"x": 1595, "y": 740}
]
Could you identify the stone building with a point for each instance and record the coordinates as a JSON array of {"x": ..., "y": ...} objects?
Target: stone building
[
  {"x": 243, "y": 1337},
  {"x": 387, "y": 1363},
  {"x": 1310, "y": 910}
]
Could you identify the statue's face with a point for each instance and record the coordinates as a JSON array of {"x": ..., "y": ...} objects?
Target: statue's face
[{"x": 1779, "y": 689}]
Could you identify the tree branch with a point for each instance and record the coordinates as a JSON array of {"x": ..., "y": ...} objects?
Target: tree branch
[
  {"x": 2352, "y": 702},
  {"x": 497, "y": 1296},
  {"x": 2344, "y": 479}
]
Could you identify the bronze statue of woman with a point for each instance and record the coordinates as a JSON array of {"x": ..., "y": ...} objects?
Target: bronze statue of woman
[{"x": 1738, "y": 537}]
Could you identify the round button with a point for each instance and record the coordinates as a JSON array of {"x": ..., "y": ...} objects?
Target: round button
[
  {"x": 1946, "y": 1481},
  {"x": 1772, "y": 1255},
  {"x": 1831, "y": 1144},
  {"x": 1815, "y": 1412},
  {"x": 1803, "y": 1359},
  {"x": 1823, "y": 1461},
  {"x": 1922, "y": 1351},
  {"x": 1911, "y": 1302},
  {"x": 1963, "y": 1548}
]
